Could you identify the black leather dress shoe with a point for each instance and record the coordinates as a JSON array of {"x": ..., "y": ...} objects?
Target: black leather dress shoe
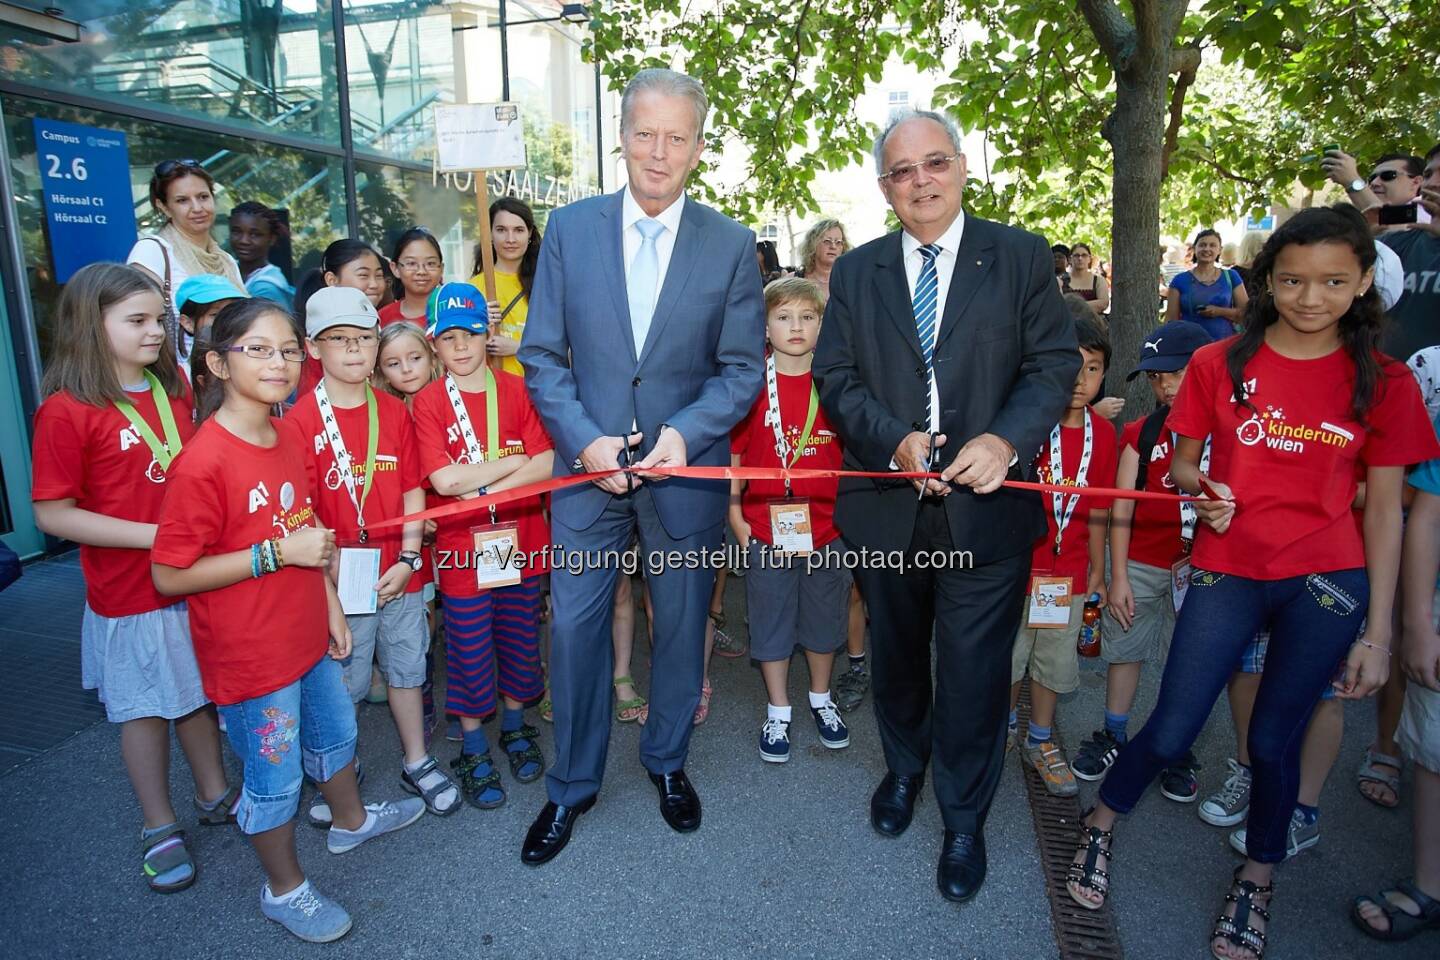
[
  {"x": 551, "y": 831},
  {"x": 962, "y": 866},
  {"x": 679, "y": 803},
  {"x": 893, "y": 803}
]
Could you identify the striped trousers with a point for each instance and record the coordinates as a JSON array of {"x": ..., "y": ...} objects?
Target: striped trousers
[{"x": 492, "y": 642}]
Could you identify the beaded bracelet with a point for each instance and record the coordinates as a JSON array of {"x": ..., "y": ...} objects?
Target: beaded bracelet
[
  {"x": 267, "y": 556},
  {"x": 279, "y": 559},
  {"x": 255, "y": 560}
]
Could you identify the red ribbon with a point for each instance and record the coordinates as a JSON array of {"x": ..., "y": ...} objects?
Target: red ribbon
[{"x": 529, "y": 490}]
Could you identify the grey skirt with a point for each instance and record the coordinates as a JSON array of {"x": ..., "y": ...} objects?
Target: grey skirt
[{"x": 142, "y": 665}]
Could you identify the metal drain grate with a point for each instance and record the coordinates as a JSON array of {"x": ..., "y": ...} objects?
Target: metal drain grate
[{"x": 1081, "y": 934}]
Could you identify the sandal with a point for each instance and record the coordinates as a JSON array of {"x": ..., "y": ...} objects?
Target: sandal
[
  {"x": 163, "y": 852},
  {"x": 1403, "y": 923},
  {"x": 628, "y": 711},
  {"x": 475, "y": 786},
  {"x": 1089, "y": 875},
  {"x": 521, "y": 757},
  {"x": 1371, "y": 770},
  {"x": 546, "y": 709},
  {"x": 725, "y": 645},
  {"x": 411, "y": 782},
  {"x": 219, "y": 813},
  {"x": 1236, "y": 929},
  {"x": 703, "y": 710}
]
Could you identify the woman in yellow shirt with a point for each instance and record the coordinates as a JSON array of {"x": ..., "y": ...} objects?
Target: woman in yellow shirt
[{"x": 516, "y": 242}]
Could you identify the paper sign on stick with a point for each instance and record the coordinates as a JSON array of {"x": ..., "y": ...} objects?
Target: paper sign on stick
[{"x": 478, "y": 136}]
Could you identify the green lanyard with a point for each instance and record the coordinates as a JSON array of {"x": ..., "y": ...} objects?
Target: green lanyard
[
  {"x": 804, "y": 440},
  {"x": 372, "y": 446},
  {"x": 164, "y": 452},
  {"x": 492, "y": 417}
]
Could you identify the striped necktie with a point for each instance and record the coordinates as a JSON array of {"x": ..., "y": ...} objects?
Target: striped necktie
[{"x": 927, "y": 292}]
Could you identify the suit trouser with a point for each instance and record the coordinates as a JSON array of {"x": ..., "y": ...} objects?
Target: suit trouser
[
  {"x": 582, "y": 656},
  {"x": 974, "y": 614}
]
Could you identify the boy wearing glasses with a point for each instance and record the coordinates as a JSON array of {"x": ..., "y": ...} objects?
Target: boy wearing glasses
[{"x": 365, "y": 467}]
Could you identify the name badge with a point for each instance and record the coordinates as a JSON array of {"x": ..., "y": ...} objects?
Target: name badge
[
  {"x": 359, "y": 570},
  {"x": 1180, "y": 572},
  {"x": 1049, "y": 606},
  {"x": 497, "y": 555},
  {"x": 790, "y": 528}
]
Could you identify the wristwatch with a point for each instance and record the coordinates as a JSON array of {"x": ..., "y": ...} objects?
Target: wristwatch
[
  {"x": 413, "y": 560},
  {"x": 1356, "y": 185}
]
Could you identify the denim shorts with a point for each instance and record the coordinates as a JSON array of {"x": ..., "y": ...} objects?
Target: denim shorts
[{"x": 316, "y": 711}]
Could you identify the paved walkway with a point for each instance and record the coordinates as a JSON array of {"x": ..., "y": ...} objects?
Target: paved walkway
[{"x": 784, "y": 866}]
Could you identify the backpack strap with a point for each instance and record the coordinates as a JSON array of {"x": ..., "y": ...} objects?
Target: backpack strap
[{"x": 1149, "y": 436}]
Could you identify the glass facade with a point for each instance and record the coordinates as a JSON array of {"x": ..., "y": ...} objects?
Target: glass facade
[{"x": 337, "y": 136}]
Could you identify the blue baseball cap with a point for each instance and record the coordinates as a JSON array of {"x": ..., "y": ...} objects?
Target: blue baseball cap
[
  {"x": 1169, "y": 346},
  {"x": 206, "y": 288},
  {"x": 456, "y": 306}
]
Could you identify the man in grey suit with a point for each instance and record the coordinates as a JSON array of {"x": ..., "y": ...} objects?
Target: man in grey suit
[
  {"x": 645, "y": 338},
  {"x": 946, "y": 347}
]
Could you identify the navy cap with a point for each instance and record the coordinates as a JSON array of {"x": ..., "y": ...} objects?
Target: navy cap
[{"x": 1169, "y": 346}]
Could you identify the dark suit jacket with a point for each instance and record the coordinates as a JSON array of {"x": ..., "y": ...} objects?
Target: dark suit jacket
[{"x": 1005, "y": 363}]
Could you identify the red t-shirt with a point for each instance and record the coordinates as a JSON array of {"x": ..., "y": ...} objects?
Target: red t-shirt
[
  {"x": 96, "y": 457},
  {"x": 1155, "y": 527},
  {"x": 391, "y": 313},
  {"x": 259, "y": 635},
  {"x": 1073, "y": 559},
  {"x": 754, "y": 440},
  {"x": 1292, "y": 461},
  {"x": 441, "y": 444},
  {"x": 397, "y": 470}
]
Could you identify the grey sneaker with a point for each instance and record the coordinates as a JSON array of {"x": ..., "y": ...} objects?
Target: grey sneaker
[
  {"x": 851, "y": 687},
  {"x": 310, "y": 915},
  {"x": 387, "y": 817},
  {"x": 1231, "y": 803},
  {"x": 1300, "y": 836},
  {"x": 319, "y": 813}
]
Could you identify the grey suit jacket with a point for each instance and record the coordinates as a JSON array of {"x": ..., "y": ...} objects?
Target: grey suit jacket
[
  {"x": 1005, "y": 363},
  {"x": 699, "y": 370}
]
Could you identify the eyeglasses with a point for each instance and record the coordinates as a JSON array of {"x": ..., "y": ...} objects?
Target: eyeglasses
[
  {"x": 166, "y": 167},
  {"x": 1386, "y": 175},
  {"x": 410, "y": 266},
  {"x": 263, "y": 351},
  {"x": 363, "y": 342},
  {"x": 934, "y": 166},
  {"x": 831, "y": 242}
]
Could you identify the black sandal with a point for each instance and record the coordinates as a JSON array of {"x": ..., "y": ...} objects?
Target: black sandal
[
  {"x": 1403, "y": 923},
  {"x": 1088, "y": 875},
  {"x": 411, "y": 782},
  {"x": 521, "y": 756},
  {"x": 1237, "y": 930},
  {"x": 474, "y": 786}
]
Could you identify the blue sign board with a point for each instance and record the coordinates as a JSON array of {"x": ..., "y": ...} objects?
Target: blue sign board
[
  {"x": 85, "y": 180},
  {"x": 1266, "y": 222}
]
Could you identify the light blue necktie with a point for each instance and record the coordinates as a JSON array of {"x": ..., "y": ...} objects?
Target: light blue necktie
[
  {"x": 642, "y": 285},
  {"x": 927, "y": 292}
]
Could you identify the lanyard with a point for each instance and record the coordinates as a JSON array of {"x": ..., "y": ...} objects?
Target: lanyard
[
  {"x": 1063, "y": 506},
  {"x": 343, "y": 462},
  {"x": 163, "y": 452},
  {"x": 492, "y": 422},
  {"x": 1187, "y": 509},
  {"x": 772, "y": 416}
]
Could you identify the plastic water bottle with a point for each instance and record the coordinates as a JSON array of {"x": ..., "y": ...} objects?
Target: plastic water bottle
[{"x": 1088, "y": 642}]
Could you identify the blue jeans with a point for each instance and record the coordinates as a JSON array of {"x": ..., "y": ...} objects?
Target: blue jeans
[
  {"x": 1313, "y": 620},
  {"x": 315, "y": 710}
]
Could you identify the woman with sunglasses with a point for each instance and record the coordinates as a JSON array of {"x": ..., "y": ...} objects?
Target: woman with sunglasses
[
  {"x": 183, "y": 193},
  {"x": 821, "y": 247}
]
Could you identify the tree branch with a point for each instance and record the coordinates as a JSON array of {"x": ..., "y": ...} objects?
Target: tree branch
[
  {"x": 1184, "y": 62},
  {"x": 1220, "y": 168},
  {"x": 1115, "y": 34}
]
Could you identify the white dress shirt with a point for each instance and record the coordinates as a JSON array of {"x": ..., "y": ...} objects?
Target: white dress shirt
[
  {"x": 664, "y": 243},
  {"x": 949, "y": 244}
]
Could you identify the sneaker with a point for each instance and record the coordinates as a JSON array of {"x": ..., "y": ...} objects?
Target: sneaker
[
  {"x": 833, "y": 732},
  {"x": 387, "y": 817},
  {"x": 732, "y": 648},
  {"x": 1179, "y": 782},
  {"x": 775, "y": 740},
  {"x": 1095, "y": 755},
  {"x": 1049, "y": 761},
  {"x": 1300, "y": 836},
  {"x": 851, "y": 687},
  {"x": 1230, "y": 804},
  {"x": 319, "y": 813},
  {"x": 309, "y": 914}
]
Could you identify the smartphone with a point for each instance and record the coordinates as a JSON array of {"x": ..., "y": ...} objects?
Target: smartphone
[{"x": 1398, "y": 213}]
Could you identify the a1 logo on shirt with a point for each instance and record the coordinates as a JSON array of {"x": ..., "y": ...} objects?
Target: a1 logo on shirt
[{"x": 130, "y": 438}]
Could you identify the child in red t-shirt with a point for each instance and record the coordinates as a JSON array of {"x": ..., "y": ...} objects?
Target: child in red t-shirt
[
  {"x": 364, "y": 469},
  {"x": 1081, "y": 452},
  {"x": 238, "y": 534},
  {"x": 793, "y": 600},
  {"x": 1292, "y": 406},
  {"x": 116, "y": 411},
  {"x": 478, "y": 432}
]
